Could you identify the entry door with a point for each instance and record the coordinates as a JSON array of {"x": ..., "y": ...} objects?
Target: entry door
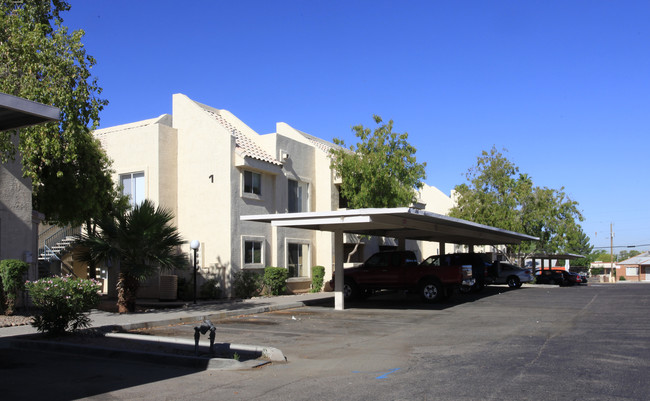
[{"x": 647, "y": 273}]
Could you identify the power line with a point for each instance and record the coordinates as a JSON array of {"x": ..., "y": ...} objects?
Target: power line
[{"x": 621, "y": 246}]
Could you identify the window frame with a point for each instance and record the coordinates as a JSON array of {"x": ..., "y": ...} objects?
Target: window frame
[
  {"x": 301, "y": 203},
  {"x": 132, "y": 176},
  {"x": 306, "y": 256},
  {"x": 245, "y": 239},
  {"x": 255, "y": 191}
]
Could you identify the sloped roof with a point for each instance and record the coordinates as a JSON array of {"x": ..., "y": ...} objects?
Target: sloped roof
[
  {"x": 641, "y": 259},
  {"x": 319, "y": 143},
  {"x": 245, "y": 146}
]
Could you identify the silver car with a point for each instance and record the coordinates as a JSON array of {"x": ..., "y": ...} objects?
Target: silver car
[{"x": 511, "y": 274}]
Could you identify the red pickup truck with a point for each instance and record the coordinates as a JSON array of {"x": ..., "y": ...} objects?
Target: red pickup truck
[{"x": 433, "y": 279}]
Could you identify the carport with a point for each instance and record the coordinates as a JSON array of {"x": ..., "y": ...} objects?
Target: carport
[
  {"x": 547, "y": 256},
  {"x": 400, "y": 223}
]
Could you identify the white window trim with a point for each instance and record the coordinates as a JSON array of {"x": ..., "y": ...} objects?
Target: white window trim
[
  {"x": 254, "y": 238},
  {"x": 300, "y": 241},
  {"x": 132, "y": 171},
  {"x": 301, "y": 180}
]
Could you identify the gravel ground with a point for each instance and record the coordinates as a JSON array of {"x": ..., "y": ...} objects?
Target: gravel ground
[{"x": 15, "y": 320}]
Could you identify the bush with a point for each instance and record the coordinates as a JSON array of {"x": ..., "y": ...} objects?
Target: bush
[
  {"x": 317, "y": 276},
  {"x": 64, "y": 303},
  {"x": 622, "y": 278},
  {"x": 210, "y": 289},
  {"x": 11, "y": 275},
  {"x": 246, "y": 284},
  {"x": 275, "y": 279}
]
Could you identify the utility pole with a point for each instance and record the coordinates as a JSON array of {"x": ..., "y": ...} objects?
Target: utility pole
[{"x": 611, "y": 251}]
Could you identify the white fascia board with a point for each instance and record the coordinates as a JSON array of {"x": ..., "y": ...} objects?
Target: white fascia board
[{"x": 316, "y": 221}]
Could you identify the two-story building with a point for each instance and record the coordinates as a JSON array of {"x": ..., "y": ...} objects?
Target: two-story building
[{"x": 209, "y": 168}]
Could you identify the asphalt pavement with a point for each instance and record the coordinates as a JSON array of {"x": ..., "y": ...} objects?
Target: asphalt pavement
[{"x": 537, "y": 342}]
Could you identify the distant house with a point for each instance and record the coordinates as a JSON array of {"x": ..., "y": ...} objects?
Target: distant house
[
  {"x": 636, "y": 268},
  {"x": 18, "y": 222},
  {"x": 209, "y": 168}
]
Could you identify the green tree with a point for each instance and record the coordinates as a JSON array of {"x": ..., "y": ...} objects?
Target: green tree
[
  {"x": 497, "y": 194},
  {"x": 142, "y": 241},
  {"x": 42, "y": 61},
  {"x": 623, "y": 255},
  {"x": 380, "y": 171}
]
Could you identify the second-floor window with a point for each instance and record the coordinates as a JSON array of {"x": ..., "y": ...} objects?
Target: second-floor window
[
  {"x": 252, "y": 183},
  {"x": 133, "y": 187},
  {"x": 298, "y": 197}
]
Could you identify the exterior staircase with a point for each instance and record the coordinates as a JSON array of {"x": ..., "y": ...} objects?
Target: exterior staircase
[{"x": 53, "y": 244}]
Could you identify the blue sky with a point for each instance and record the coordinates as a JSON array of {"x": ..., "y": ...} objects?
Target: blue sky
[{"x": 563, "y": 86}]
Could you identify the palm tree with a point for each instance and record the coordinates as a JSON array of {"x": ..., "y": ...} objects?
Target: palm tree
[{"x": 141, "y": 240}]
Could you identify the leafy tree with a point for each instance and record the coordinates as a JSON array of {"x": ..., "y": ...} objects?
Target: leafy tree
[
  {"x": 623, "y": 255},
  {"x": 42, "y": 61},
  {"x": 380, "y": 171},
  {"x": 141, "y": 240},
  {"x": 497, "y": 194}
]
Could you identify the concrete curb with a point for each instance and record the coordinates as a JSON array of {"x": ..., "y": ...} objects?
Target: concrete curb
[{"x": 267, "y": 354}]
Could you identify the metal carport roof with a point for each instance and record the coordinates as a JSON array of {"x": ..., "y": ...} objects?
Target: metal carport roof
[
  {"x": 401, "y": 223},
  {"x": 16, "y": 112},
  {"x": 407, "y": 223}
]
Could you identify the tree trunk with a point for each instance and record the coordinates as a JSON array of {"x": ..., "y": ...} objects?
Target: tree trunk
[{"x": 127, "y": 287}]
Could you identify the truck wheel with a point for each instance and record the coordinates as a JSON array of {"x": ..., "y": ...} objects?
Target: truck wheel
[
  {"x": 350, "y": 290},
  {"x": 514, "y": 282},
  {"x": 431, "y": 291}
]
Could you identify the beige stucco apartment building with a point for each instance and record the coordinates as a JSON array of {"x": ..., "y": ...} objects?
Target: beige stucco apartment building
[{"x": 210, "y": 168}]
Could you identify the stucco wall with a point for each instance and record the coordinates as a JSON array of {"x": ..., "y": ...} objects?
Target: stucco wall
[{"x": 16, "y": 238}]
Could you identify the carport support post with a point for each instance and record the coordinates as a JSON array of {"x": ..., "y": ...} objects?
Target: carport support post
[{"x": 338, "y": 270}]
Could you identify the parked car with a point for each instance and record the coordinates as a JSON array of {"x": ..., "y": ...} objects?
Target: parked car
[
  {"x": 574, "y": 278},
  {"x": 558, "y": 277},
  {"x": 433, "y": 279},
  {"x": 507, "y": 273}
]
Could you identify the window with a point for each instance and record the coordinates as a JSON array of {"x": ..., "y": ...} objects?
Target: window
[
  {"x": 252, "y": 183},
  {"x": 252, "y": 252},
  {"x": 133, "y": 187},
  {"x": 298, "y": 197},
  {"x": 297, "y": 255},
  {"x": 631, "y": 271},
  {"x": 343, "y": 201}
]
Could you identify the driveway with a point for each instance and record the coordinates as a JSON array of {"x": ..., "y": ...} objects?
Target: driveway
[{"x": 537, "y": 342}]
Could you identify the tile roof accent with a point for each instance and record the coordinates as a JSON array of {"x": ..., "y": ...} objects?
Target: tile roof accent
[
  {"x": 245, "y": 146},
  {"x": 321, "y": 144}
]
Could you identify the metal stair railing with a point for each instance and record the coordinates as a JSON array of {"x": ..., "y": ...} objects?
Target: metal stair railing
[{"x": 54, "y": 244}]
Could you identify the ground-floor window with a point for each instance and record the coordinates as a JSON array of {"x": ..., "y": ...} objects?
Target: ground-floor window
[
  {"x": 631, "y": 271},
  {"x": 297, "y": 259},
  {"x": 253, "y": 252}
]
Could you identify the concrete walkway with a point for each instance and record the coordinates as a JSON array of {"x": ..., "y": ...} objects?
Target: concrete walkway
[{"x": 185, "y": 313}]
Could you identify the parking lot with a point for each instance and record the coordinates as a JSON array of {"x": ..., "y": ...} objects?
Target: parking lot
[{"x": 536, "y": 342}]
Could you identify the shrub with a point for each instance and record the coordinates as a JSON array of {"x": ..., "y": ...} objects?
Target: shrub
[
  {"x": 275, "y": 279},
  {"x": 64, "y": 303},
  {"x": 246, "y": 284},
  {"x": 210, "y": 289},
  {"x": 11, "y": 275},
  {"x": 317, "y": 276},
  {"x": 622, "y": 278}
]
